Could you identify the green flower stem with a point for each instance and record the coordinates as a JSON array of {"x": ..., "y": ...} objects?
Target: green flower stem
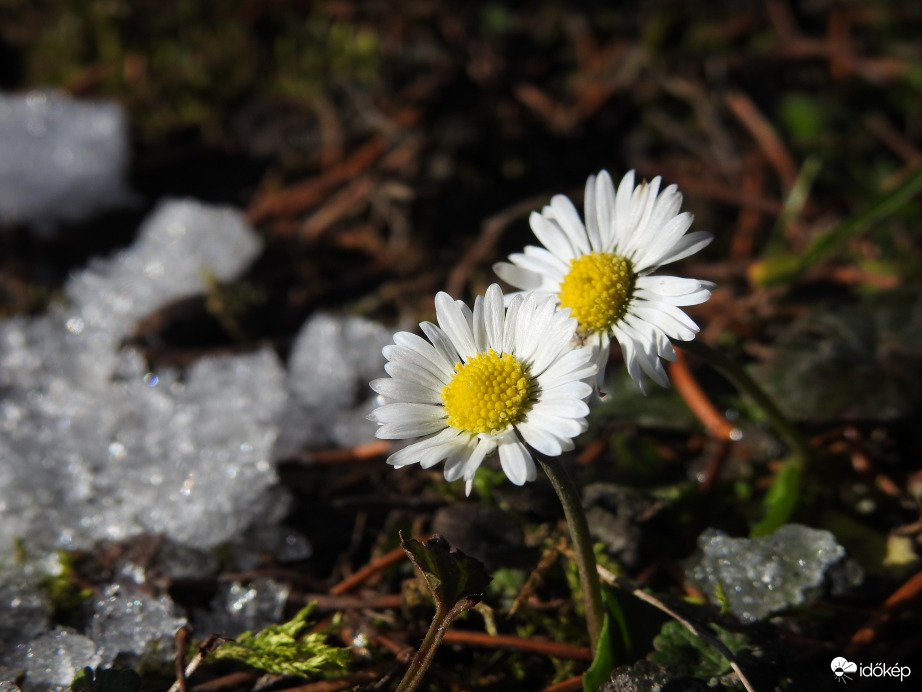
[
  {"x": 423, "y": 657},
  {"x": 582, "y": 545},
  {"x": 742, "y": 381}
]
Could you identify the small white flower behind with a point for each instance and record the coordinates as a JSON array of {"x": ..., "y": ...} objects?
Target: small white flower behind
[
  {"x": 492, "y": 379},
  {"x": 602, "y": 269}
]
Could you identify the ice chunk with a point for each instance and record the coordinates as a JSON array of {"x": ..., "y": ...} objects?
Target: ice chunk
[
  {"x": 53, "y": 659},
  {"x": 331, "y": 363},
  {"x": 179, "y": 244},
  {"x": 25, "y": 608},
  {"x": 761, "y": 576},
  {"x": 190, "y": 459},
  {"x": 24, "y": 612},
  {"x": 244, "y": 607},
  {"x": 127, "y": 620},
  {"x": 93, "y": 445},
  {"x": 60, "y": 159}
]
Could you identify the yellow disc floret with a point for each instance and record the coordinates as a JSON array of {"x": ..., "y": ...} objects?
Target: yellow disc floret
[
  {"x": 597, "y": 289},
  {"x": 487, "y": 394}
]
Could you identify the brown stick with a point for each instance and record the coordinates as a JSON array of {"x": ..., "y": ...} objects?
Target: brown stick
[
  {"x": 360, "y": 677},
  {"x": 490, "y": 232},
  {"x": 687, "y": 386},
  {"x": 898, "y": 601},
  {"x": 569, "y": 685},
  {"x": 301, "y": 196},
  {"x": 768, "y": 140},
  {"x": 382, "y": 563},
  {"x": 230, "y": 681},
  {"x": 340, "y": 455},
  {"x": 507, "y": 641},
  {"x": 326, "y": 602}
]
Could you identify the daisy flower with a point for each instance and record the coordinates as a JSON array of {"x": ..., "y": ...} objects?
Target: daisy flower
[
  {"x": 491, "y": 379},
  {"x": 602, "y": 270}
]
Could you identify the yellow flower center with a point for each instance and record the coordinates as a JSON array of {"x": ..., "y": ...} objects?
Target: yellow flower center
[
  {"x": 597, "y": 289},
  {"x": 487, "y": 393}
]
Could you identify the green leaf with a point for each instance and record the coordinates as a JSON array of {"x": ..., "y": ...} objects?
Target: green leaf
[
  {"x": 603, "y": 663},
  {"x": 605, "y": 659},
  {"x": 685, "y": 653},
  {"x": 287, "y": 649},
  {"x": 803, "y": 115},
  {"x": 106, "y": 680},
  {"x": 781, "y": 499},
  {"x": 456, "y": 580},
  {"x": 789, "y": 267}
]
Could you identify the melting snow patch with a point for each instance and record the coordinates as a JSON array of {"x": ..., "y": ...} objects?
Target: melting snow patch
[
  {"x": 60, "y": 159},
  {"x": 331, "y": 363},
  {"x": 95, "y": 446}
]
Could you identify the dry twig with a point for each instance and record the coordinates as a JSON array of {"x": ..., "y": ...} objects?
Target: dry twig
[{"x": 712, "y": 419}]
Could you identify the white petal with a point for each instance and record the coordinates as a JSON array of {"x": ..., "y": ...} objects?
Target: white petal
[
  {"x": 645, "y": 196},
  {"x": 512, "y": 317},
  {"x": 568, "y": 219},
  {"x": 628, "y": 343},
  {"x": 673, "y": 290},
  {"x": 668, "y": 285},
  {"x": 567, "y": 407},
  {"x": 401, "y": 390},
  {"x": 517, "y": 463},
  {"x": 436, "y": 453},
  {"x": 668, "y": 318},
  {"x": 406, "y": 456},
  {"x": 621, "y": 218},
  {"x": 685, "y": 246},
  {"x": 411, "y": 359},
  {"x": 561, "y": 427},
  {"x": 472, "y": 463},
  {"x": 401, "y": 412},
  {"x": 661, "y": 239},
  {"x": 408, "y": 429},
  {"x": 665, "y": 208},
  {"x": 539, "y": 438},
  {"x": 480, "y": 333},
  {"x": 576, "y": 389},
  {"x": 648, "y": 344},
  {"x": 695, "y": 298},
  {"x": 544, "y": 262},
  {"x": 454, "y": 462},
  {"x": 438, "y": 356},
  {"x": 591, "y": 209},
  {"x": 413, "y": 453},
  {"x": 572, "y": 365},
  {"x": 455, "y": 324},
  {"x": 554, "y": 339},
  {"x": 600, "y": 357},
  {"x": 551, "y": 236},
  {"x": 525, "y": 279},
  {"x": 605, "y": 210},
  {"x": 532, "y": 327},
  {"x": 401, "y": 371},
  {"x": 448, "y": 353},
  {"x": 494, "y": 313}
]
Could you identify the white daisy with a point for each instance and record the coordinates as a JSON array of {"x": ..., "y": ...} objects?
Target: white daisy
[
  {"x": 492, "y": 379},
  {"x": 602, "y": 270}
]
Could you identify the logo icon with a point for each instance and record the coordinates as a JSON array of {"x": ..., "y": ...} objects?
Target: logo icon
[{"x": 841, "y": 667}]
